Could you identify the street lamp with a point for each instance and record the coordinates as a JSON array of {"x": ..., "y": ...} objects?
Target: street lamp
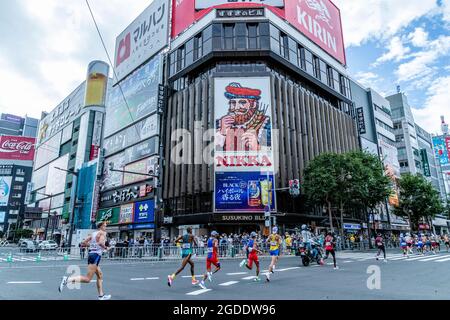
[{"x": 72, "y": 202}]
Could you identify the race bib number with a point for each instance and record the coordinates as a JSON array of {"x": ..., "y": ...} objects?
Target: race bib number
[
  {"x": 328, "y": 244},
  {"x": 273, "y": 243},
  {"x": 186, "y": 246},
  {"x": 210, "y": 250}
]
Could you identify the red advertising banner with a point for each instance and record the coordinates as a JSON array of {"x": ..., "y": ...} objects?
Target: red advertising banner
[
  {"x": 17, "y": 148},
  {"x": 94, "y": 152},
  {"x": 447, "y": 145},
  {"x": 318, "y": 20}
]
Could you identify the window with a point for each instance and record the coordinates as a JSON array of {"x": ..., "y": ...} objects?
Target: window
[
  {"x": 252, "y": 30},
  {"x": 309, "y": 62},
  {"x": 401, "y": 152},
  {"x": 397, "y": 125},
  {"x": 18, "y": 188},
  {"x": 336, "y": 84},
  {"x": 400, "y": 138},
  {"x": 301, "y": 57},
  {"x": 284, "y": 45},
  {"x": 316, "y": 67},
  {"x": 20, "y": 179},
  {"x": 403, "y": 164},
  {"x": 228, "y": 32},
  {"x": 330, "y": 77},
  {"x": 180, "y": 58},
  {"x": 198, "y": 46},
  {"x": 20, "y": 172}
]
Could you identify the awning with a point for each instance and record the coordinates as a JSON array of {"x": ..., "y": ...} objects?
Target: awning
[{"x": 440, "y": 222}]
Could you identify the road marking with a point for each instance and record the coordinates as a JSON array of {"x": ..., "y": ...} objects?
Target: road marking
[
  {"x": 416, "y": 258},
  {"x": 286, "y": 269},
  {"x": 348, "y": 261},
  {"x": 249, "y": 278},
  {"x": 196, "y": 293},
  {"x": 397, "y": 258},
  {"x": 229, "y": 283},
  {"x": 442, "y": 260},
  {"x": 152, "y": 278},
  {"x": 434, "y": 258},
  {"x": 316, "y": 265},
  {"x": 197, "y": 276},
  {"x": 137, "y": 279},
  {"x": 24, "y": 282},
  {"x": 236, "y": 273}
]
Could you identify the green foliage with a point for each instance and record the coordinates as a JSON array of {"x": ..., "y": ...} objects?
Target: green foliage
[
  {"x": 23, "y": 233},
  {"x": 418, "y": 199}
]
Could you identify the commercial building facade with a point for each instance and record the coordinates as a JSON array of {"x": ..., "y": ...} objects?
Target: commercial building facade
[
  {"x": 69, "y": 136},
  {"x": 242, "y": 53},
  {"x": 12, "y": 125}
]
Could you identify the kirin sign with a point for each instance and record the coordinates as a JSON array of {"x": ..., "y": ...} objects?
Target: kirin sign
[{"x": 17, "y": 148}]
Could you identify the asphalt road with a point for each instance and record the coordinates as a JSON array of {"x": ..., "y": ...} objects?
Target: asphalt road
[{"x": 417, "y": 278}]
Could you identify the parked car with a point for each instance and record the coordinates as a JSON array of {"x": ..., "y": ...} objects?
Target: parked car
[
  {"x": 29, "y": 246},
  {"x": 48, "y": 245}
]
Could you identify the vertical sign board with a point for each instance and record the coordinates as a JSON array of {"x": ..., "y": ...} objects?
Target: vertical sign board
[
  {"x": 5, "y": 190},
  {"x": 425, "y": 163},
  {"x": 441, "y": 150},
  {"x": 361, "y": 121},
  {"x": 243, "y": 154}
]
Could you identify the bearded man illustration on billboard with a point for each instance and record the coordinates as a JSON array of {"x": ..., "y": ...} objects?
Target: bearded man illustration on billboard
[{"x": 246, "y": 125}]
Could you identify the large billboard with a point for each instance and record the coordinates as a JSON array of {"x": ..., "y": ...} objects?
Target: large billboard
[
  {"x": 318, "y": 20},
  {"x": 17, "y": 148},
  {"x": 204, "y": 4},
  {"x": 141, "y": 92},
  {"x": 143, "y": 38},
  {"x": 5, "y": 190},
  {"x": 441, "y": 150},
  {"x": 243, "y": 154}
]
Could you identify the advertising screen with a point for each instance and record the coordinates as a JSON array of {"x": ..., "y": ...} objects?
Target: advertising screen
[
  {"x": 126, "y": 213},
  {"x": 111, "y": 215},
  {"x": 56, "y": 179},
  {"x": 113, "y": 179},
  {"x": 142, "y": 166},
  {"x": 441, "y": 150},
  {"x": 318, "y": 20},
  {"x": 144, "y": 211},
  {"x": 145, "y": 37},
  {"x": 48, "y": 151},
  {"x": 5, "y": 190},
  {"x": 243, "y": 154},
  {"x": 17, "y": 148}
]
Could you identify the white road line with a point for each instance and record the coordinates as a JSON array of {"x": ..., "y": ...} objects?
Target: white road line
[
  {"x": 152, "y": 278},
  {"x": 137, "y": 279},
  {"x": 196, "y": 293},
  {"x": 316, "y": 265},
  {"x": 435, "y": 258},
  {"x": 347, "y": 261},
  {"x": 286, "y": 269},
  {"x": 229, "y": 283},
  {"x": 442, "y": 260},
  {"x": 197, "y": 276},
  {"x": 249, "y": 278},
  {"x": 236, "y": 273},
  {"x": 416, "y": 258},
  {"x": 398, "y": 258},
  {"x": 24, "y": 282}
]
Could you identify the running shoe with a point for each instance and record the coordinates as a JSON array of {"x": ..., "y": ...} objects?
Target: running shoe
[
  {"x": 62, "y": 284},
  {"x": 209, "y": 274},
  {"x": 257, "y": 279},
  {"x": 195, "y": 282},
  {"x": 104, "y": 297},
  {"x": 385, "y": 260},
  {"x": 169, "y": 280},
  {"x": 268, "y": 277},
  {"x": 202, "y": 284},
  {"x": 242, "y": 263},
  {"x": 336, "y": 268}
]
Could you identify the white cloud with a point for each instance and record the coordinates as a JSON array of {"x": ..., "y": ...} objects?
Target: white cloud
[
  {"x": 436, "y": 105},
  {"x": 422, "y": 63},
  {"x": 366, "y": 78},
  {"x": 446, "y": 10},
  {"x": 61, "y": 40},
  {"x": 380, "y": 19},
  {"x": 419, "y": 37},
  {"x": 396, "y": 52}
]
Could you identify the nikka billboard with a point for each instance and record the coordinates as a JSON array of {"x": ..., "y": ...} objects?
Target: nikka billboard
[
  {"x": 318, "y": 20},
  {"x": 17, "y": 148},
  {"x": 243, "y": 151}
]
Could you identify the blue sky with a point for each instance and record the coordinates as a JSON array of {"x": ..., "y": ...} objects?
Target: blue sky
[{"x": 47, "y": 44}]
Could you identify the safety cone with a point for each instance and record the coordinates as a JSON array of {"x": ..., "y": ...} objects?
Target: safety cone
[
  {"x": 38, "y": 258},
  {"x": 9, "y": 258},
  {"x": 66, "y": 257}
]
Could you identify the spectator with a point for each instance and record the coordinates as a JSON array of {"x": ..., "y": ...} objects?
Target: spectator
[{"x": 82, "y": 250}]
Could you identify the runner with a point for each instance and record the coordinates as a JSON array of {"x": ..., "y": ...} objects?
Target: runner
[
  {"x": 428, "y": 243},
  {"x": 380, "y": 245},
  {"x": 409, "y": 244},
  {"x": 275, "y": 240},
  {"x": 419, "y": 245},
  {"x": 213, "y": 244},
  {"x": 252, "y": 256},
  {"x": 186, "y": 254},
  {"x": 403, "y": 245},
  {"x": 330, "y": 244},
  {"x": 434, "y": 243},
  {"x": 97, "y": 246},
  {"x": 447, "y": 242}
]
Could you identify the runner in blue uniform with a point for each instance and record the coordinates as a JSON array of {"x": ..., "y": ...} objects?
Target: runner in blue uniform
[{"x": 188, "y": 240}]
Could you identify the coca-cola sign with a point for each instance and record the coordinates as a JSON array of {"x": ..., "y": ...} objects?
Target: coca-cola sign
[{"x": 17, "y": 148}]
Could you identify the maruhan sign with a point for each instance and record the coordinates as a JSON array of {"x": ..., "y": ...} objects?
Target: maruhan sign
[{"x": 320, "y": 21}]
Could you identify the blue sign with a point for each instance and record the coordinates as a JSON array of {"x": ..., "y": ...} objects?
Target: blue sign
[
  {"x": 440, "y": 150},
  {"x": 141, "y": 226},
  {"x": 144, "y": 211},
  {"x": 352, "y": 226},
  {"x": 244, "y": 191}
]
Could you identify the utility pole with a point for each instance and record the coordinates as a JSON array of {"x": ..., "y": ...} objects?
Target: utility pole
[{"x": 48, "y": 217}]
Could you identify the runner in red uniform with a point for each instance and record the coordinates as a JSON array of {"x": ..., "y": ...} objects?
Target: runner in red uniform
[
  {"x": 252, "y": 256},
  {"x": 329, "y": 248},
  {"x": 211, "y": 258}
]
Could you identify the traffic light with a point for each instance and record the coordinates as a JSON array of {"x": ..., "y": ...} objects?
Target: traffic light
[{"x": 294, "y": 187}]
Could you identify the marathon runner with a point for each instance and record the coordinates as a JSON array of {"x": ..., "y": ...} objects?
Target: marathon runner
[
  {"x": 252, "y": 256},
  {"x": 427, "y": 243},
  {"x": 434, "y": 244},
  {"x": 97, "y": 246},
  {"x": 403, "y": 245},
  {"x": 213, "y": 244},
  {"x": 420, "y": 245},
  {"x": 409, "y": 244},
  {"x": 447, "y": 242},
  {"x": 186, "y": 254},
  {"x": 274, "y": 240},
  {"x": 330, "y": 243},
  {"x": 380, "y": 245}
]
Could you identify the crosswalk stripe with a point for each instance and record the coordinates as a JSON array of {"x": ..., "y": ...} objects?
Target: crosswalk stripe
[
  {"x": 229, "y": 283},
  {"x": 152, "y": 278},
  {"x": 137, "y": 279},
  {"x": 249, "y": 278},
  {"x": 435, "y": 258},
  {"x": 286, "y": 269},
  {"x": 416, "y": 258},
  {"x": 197, "y": 292},
  {"x": 442, "y": 260},
  {"x": 236, "y": 273},
  {"x": 398, "y": 258},
  {"x": 197, "y": 276}
]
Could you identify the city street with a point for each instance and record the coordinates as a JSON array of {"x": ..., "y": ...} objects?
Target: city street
[{"x": 417, "y": 278}]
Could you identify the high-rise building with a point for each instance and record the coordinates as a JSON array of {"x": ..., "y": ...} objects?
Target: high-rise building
[{"x": 11, "y": 125}]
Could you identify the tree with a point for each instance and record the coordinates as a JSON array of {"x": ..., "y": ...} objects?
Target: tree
[
  {"x": 418, "y": 199},
  {"x": 23, "y": 233}
]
